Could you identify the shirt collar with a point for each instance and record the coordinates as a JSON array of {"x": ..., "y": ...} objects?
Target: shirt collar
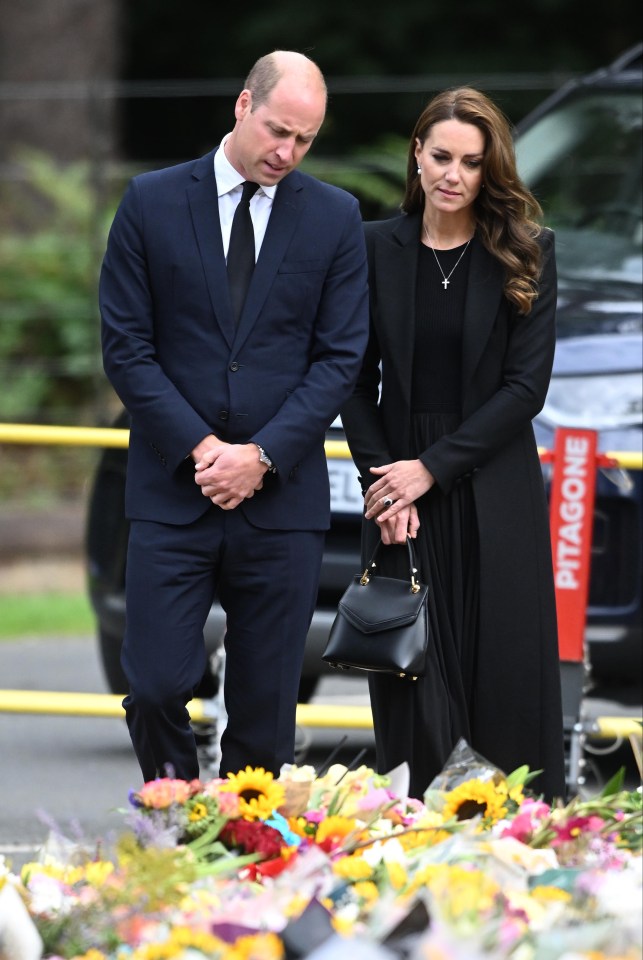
[{"x": 228, "y": 178}]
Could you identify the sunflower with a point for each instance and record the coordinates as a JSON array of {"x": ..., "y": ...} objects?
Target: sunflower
[
  {"x": 259, "y": 794},
  {"x": 332, "y": 832},
  {"x": 473, "y": 798}
]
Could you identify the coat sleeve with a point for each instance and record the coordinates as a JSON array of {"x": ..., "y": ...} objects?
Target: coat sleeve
[
  {"x": 526, "y": 372},
  {"x": 128, "y": 339},
  {"x": 361, "y": 414}
]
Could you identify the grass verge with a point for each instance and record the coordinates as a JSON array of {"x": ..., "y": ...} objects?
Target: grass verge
[{"x": 44, "y": 615}]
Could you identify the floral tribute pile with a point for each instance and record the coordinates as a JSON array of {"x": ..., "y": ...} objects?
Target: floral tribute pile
[{"x": 337, "y": 865}]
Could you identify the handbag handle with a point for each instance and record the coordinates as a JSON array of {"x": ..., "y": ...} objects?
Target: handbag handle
[{"x": 372, "y": 565}]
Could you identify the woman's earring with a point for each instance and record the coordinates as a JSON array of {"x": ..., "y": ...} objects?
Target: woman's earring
[{"x": 419, "y": 168}]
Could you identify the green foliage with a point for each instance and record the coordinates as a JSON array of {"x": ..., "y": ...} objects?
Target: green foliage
[
  {"x": 45, "y": 614},
  {"x": 375, "y": 175},
  {"x": 49, "y": 254}
]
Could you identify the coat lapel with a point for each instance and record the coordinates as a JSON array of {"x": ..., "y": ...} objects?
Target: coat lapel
[
  {"x": 395, "y": 268},
  {"x": 395, "y": 271},
  {"x": 204, "y": 208},
  {"x": 484, "y": 293}
]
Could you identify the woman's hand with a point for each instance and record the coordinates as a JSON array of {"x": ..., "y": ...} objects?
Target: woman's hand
[
  {"x": 399, "y": 485},
  {"x": 405, "y": 523}
]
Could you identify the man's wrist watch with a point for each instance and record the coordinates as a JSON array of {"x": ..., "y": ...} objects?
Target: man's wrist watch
[{"x": 264, "y": 458}]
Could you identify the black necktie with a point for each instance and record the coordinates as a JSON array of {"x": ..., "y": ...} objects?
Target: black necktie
[{"x": 241, "y": 252}]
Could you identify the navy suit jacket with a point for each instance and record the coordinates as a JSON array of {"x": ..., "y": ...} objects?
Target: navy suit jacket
[{"x": 182, "y": 370}]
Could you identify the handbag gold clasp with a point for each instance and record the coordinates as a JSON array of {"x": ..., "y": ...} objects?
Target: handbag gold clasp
[{"x": 364, "y": 579}]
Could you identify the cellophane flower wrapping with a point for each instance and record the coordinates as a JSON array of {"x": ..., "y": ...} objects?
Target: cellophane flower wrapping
[{"x": 256, "y": 867}]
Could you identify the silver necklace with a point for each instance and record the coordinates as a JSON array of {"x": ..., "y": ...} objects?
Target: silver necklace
[{"x": 445, "y": 279}]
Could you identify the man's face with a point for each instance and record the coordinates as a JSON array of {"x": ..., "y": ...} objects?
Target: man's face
[{"x": 269, "y": 142}]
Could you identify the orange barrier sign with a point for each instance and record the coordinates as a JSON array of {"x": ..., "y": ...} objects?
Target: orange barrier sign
[{"x": 571, "y": 512}]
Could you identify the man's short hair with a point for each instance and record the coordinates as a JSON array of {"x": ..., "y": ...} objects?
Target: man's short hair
[
  {"x": 262, "y": 79},
  {"x": 266, "y": 74}
]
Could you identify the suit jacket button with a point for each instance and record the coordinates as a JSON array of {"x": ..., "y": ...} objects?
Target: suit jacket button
[
  {"x": 234, "y": 366},
  {"x": 223, "y": 415}
]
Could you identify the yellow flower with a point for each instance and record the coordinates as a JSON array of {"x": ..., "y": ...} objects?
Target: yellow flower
[
  {"x": 396, "y": 875},
  {"x": 549, "y": 894},
  {"x": 475, "y": 797},
  {"x": 92, "y": 954},
  {"x": 461, "y": 892},
  {"x": 260, "y": 946},
  {"x": 296, "y": 906},
  {"x": 97, "y": 872},
  {"x": 367, "y": 891},
  {"x": 259, "y": 793},
  {"x": 342, "y": 924},
  {"x": 516, "y": 794},
  {"x": 180, "y": 939},
  {"x": 198, "y": 812},
  {"x": 58, "y": 871},
  {"x": 352, "y": 868},
  {"x": 333, "y": 830}
]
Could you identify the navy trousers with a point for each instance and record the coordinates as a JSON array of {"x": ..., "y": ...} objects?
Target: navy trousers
[{"x": 266, "y": 581}]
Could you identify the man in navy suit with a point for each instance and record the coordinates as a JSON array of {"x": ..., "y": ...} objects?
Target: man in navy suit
[{"x": 227, "y": 485}]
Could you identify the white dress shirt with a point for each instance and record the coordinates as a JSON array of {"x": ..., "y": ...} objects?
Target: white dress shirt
[{"x": 229, "y": 185}]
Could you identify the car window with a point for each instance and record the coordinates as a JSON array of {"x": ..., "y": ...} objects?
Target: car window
[{"x": 582, "y": 160}]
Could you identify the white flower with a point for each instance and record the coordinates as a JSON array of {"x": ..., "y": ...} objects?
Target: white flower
[
  {"x": 619, "y": 894},
  {"x": 46, "y": 895}
]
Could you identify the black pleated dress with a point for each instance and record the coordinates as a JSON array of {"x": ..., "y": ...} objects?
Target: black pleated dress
[{"x": 420, "y": 721}]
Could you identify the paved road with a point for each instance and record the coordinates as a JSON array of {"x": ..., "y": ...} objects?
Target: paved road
[{"x": 76, "y": 772}]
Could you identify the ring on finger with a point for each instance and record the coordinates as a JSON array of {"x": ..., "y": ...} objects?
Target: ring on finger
[{"x": 388, "y": 502}]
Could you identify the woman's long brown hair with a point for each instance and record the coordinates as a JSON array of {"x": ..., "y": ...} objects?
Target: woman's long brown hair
[{"x": 507, "y": 214}]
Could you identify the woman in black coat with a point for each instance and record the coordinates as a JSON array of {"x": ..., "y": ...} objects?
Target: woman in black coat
[{"x": 463, "y": 299}]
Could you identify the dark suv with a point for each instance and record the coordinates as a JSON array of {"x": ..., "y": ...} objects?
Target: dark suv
[{"x": 580, "y": 151}]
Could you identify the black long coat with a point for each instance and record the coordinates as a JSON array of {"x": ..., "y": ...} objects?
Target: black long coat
[{"x": 506, "y": 368}]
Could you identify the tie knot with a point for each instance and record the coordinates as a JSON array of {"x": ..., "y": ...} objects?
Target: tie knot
[{"x": 249, "y": 190}]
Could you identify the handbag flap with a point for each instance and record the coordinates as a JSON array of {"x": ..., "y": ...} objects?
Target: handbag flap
[{"x": 383, "y": 603}]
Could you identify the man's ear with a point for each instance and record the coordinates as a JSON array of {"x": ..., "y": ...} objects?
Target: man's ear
[{"x": 243, "y": 106}]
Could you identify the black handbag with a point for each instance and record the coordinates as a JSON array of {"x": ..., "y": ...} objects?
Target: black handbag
[{"x": 381, "y": 623}]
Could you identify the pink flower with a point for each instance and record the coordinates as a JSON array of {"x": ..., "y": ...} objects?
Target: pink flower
[
  {"x": 576, "y": 827},
  {"x": 378, "y": 797},
  {"x": 527, "y": 821},
  {"x": 521, "y": 828},
  {"x": 314, "y": 816}
]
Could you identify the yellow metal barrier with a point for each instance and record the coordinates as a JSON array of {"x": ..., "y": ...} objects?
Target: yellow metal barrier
[
  {"x": 110, "y": 705},
  {"x": 321, "y": 715},
  {"x": 28, "y": 433}
]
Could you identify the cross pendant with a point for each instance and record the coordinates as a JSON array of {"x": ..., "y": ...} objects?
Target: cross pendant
[{"x": 445, "y": 283}]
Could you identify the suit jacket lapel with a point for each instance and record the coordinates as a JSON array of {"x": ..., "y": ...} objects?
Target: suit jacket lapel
[
  {"x": 204, "y": 207},
  {"x": 286, "y": 209}
]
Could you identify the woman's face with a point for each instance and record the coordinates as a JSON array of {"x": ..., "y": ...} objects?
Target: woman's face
[{"x": 451, "y": 165}]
